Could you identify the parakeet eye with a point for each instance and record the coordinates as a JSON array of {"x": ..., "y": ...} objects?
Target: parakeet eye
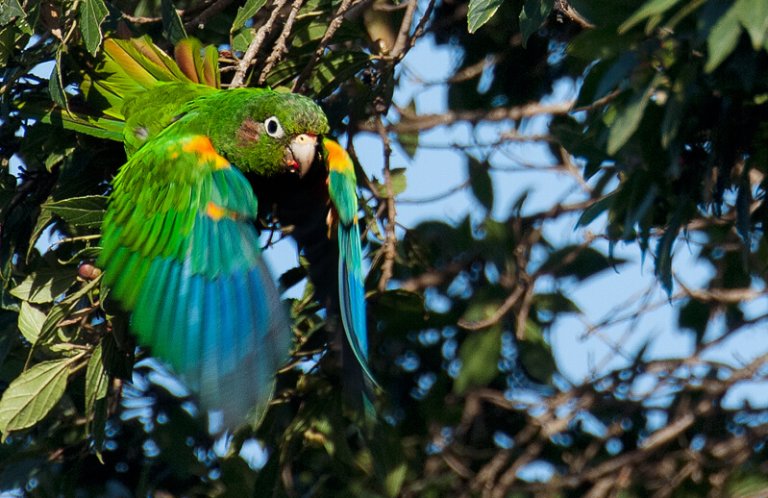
[{"x": 272, "y": 125}]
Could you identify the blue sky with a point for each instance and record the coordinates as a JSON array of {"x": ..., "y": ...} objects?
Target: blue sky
[{"x": 580, "y": 356}]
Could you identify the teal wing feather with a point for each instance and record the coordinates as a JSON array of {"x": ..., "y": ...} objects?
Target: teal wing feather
[
  {"x": 180, "y": 251},
  {"x": 342, "y": 185}
]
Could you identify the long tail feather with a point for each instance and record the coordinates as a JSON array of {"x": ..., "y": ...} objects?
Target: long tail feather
[{"x": 352, "y": 295}]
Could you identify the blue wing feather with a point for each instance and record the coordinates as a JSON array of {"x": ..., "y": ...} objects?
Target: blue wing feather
[{"x": 205, "y": 302}]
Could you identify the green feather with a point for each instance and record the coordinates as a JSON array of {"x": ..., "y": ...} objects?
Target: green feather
[{"x": 179, "y": 245}]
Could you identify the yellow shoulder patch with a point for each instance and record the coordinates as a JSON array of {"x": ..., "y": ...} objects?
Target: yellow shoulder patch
[
  {"x": 202, "y": 146},
  {"x": 214, "y": 211},
  {"x": 338, "y": 159}
]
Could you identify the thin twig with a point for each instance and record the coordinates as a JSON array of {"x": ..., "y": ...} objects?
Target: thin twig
[
  {"x": 398, "y": 50},
  {"x": 334, "y": 25},
  {"x": 255, "y": 46},
  {"x": 279, "y": 48},
  {"x": 390, "y": 243}
]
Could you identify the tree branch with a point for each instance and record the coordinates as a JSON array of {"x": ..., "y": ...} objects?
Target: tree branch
[{"x": 255, "y": 45}]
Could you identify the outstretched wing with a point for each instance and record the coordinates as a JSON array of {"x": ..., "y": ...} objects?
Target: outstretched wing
[
  {"x": 180, "y": 252},
  {"x": 342, "y": 185}
]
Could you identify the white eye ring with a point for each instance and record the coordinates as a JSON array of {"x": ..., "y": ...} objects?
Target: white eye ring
[{"x": 273, "y": 128}]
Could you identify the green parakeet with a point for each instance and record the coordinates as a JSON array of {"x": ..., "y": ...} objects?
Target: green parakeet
[{"x": 180, "y": 248}]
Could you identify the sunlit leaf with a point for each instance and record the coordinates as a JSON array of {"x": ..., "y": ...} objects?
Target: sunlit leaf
[
  {"x": 628, "y": 117},
  {"x": 92, "y": 14},
  {"x": 86, "y": 211},
  {"x": 9, "y": 9},
  {"x": 245, "y": 12},
  {"x": 43, "y": 285},
  {"x": 32, "y": 395},
  {"x": 479, "y": 355},
  {"x": 722, "y": 39},
  {"x": 480, "y": 12},
  {"x": 753, "y": 15},
  {"x": 31, "y": 319},
  {"x": 398, "y": 180},
  {"x": 649, "y": 9},
  {"x": 55, "y": 86}
]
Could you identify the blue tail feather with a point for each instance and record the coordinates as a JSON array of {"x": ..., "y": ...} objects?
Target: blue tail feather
[{"x": 352, "y": 295}]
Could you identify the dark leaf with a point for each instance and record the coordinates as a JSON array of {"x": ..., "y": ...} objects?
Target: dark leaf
[
  {"x": 173, "y": 26},
  {"x": 532, "y": 17},
  {"x": 579, "y": 262},
  {"x": 480, "y": 182}
]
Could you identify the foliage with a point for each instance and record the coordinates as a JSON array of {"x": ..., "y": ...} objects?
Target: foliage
[{"x": 666, "y": 138}]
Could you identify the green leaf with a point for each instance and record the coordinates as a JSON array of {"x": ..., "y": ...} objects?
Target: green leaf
[
  {"x": 742, "y": 484},
  {"x": 722, "y": 39},
  {"x": 480, "y": 182},
  {"x": 554, "y": 302},
  {"x": 649, "y": 9},
  {"x": 480, "y": 12},
  {"x": 32, "y": 395},
  {"x": 173, "y": 27},
  {"x": 7, "y": 43},
  {"x": 479, "y": 354},
  {"x": 242, "y": 39},
  {"x": 95, "y": 378},
  {"x": 753, "y": 15},
  {"x": 31, "y": 319},
  {"x": 399, "y": 182},
  {"x": 409, "y": 142},
  {"x": 393, "y": 483},
  {"x": 628, "y": 117},
  {"x": 536, "y": 354},
  {"x": 333, "y": 68},
  {"x": 577, "y": 261},
  {"x": 532, "y": 17},
  {"x": 86, "y": 211},
  {"x": 664, "y": 251},
  {"x": 44, "y": 285},
  {"x": 245, "y": 12},
  {"x": 9, "y": 10},
  {"x": 55, "y": 86},
  {"x": 593, "y": 211},
  {"x": 600, "y": 44},
  {"x": 92, "y": 14},
  {"x": 107, "y": 128}
]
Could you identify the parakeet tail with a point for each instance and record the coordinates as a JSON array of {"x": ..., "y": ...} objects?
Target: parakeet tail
[
  {"x": 352, "y": 295},
  {"x": 131, "y": 66}
]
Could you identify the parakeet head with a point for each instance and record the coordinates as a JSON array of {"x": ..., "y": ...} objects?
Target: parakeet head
[{"x": 266, "y": 132}]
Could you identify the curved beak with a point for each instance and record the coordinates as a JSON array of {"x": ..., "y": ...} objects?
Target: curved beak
[{"x": 300, "y": 153}]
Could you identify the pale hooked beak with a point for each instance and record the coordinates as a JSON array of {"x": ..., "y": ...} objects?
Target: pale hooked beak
[{"x": 300, "y": 153}]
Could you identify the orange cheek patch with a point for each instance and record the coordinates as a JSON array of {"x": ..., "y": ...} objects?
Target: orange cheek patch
[{"x": 203, "y": 147}]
